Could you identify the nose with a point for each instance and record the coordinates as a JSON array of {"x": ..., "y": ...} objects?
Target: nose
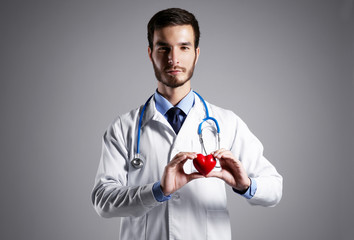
[{"x": 173, "y": 58}]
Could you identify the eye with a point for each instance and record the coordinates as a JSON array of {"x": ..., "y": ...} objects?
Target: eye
[
  {"x": 163, "y": 49},
  {"x": 185, "y": 48}
]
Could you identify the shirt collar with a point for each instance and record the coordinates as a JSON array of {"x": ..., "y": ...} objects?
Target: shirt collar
[{"x": 163, "y": 105}]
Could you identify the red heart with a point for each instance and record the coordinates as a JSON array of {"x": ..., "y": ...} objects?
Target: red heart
[{"x": 204, "y": 164}]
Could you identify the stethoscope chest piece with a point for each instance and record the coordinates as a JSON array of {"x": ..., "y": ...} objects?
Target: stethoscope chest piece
[{"x": 138, "y": 161}]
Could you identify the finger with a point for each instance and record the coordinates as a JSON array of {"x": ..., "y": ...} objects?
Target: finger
[
  {"x": 217, "y": 152},
  {"x": 226, "y": 155},
  {"x": 193, "y": 176},
  {"x": 182, "y": 157},
  {"x": 184, "y": 154},
  {"x": 222, "y": 153},
  {"x": 227, "y": 161},
  {"x": 216, "y": 174}
]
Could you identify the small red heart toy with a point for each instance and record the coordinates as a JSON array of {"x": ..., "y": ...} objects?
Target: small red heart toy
[{"x": 204, "y": 164}]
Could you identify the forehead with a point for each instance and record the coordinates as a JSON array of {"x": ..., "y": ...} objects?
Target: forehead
[{"x": 174, "y": 34}]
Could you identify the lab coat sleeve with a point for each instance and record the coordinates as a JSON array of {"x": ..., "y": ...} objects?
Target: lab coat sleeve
[
  {"x": 111, "y": 196},
  {"x": 250, "y": 152}
]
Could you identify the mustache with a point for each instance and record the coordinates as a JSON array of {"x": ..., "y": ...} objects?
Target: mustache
[{"x": 167, "y": 69}]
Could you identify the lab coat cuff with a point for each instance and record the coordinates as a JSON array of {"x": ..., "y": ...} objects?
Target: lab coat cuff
[
  {"x": 158, "y": 194},
  {"x": 250, "y": 192},
  {"x": 147, "y": 196}
]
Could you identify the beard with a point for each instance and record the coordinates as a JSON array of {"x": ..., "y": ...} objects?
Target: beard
[{"x": 173, "y": 81}]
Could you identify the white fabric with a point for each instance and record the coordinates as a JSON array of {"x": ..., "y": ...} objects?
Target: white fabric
[{"x": 197, "y": 210}]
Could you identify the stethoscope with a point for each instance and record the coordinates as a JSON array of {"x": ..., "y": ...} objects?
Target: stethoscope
[{"x": 138, "y": 160}]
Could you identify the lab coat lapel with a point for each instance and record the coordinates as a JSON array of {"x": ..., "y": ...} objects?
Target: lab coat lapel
[
  {"x": 187, "y": 138},
  {"x": 151, "y": 114},
  {"x": 189, "y": 130}
]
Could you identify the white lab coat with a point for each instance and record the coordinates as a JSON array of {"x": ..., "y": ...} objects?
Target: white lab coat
[{"x": 197, "y": 210}]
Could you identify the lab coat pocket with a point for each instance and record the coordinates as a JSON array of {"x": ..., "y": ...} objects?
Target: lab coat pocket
[
  {"x": 218, "y": 225},
  {"x": 133, "y": 228}
]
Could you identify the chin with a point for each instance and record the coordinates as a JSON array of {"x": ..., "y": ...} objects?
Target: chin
[{"x": 175, "y": 83}]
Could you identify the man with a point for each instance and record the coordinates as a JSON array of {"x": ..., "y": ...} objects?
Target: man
[{"x": 167, "y": 198}]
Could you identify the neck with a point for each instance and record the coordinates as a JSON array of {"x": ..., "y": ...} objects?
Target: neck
[{"x": 173, "y": 95}]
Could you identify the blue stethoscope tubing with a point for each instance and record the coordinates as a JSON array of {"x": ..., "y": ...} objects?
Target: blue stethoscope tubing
[
  {"x": 138, "y": 162},
  {"x": 204, "y": 120}
]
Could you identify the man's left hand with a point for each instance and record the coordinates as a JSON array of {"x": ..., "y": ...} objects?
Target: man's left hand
[{"x": 232, "y": 170}]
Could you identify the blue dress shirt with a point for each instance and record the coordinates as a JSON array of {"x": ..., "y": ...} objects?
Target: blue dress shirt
[
  {"x": 163, "y": 105},
  {"x": 186, "y": 104}
]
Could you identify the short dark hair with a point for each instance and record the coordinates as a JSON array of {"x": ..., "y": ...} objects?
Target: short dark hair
[{"x": 172, "y": 17}]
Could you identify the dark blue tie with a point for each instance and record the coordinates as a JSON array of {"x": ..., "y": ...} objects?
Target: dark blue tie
[{"x": 174, "y": 119}]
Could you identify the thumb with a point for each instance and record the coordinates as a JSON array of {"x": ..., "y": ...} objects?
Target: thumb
[
  {"x": 216, "y": 174},
  {"x": 194, "y": 175}
]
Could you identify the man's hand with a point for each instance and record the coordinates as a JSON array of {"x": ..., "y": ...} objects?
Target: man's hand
[
  {"x": 174, "y": 176},
  {"x": 232, "y": 170}
]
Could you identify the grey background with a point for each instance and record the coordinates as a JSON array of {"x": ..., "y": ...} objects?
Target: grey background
[{"x": 68, "y": 68}]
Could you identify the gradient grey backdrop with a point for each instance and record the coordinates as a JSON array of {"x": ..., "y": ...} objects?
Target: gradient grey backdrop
[{"x": 69, "y": 67}]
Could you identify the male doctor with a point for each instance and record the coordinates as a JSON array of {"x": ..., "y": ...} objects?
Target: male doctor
[{"x": 167, "y": 198}]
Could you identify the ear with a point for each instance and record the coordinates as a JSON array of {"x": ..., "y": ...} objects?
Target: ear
[
  {"x": 197, "y": 51},
  {"x": 150, "y": 53}
]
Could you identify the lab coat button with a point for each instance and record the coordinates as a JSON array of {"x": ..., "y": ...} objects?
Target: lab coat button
[{"x": 176, "y": 196}]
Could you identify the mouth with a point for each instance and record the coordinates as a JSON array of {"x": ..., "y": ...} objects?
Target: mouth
[{"x": 174, "y": 71}]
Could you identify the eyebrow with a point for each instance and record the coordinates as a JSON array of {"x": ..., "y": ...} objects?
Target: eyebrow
[
  {"x": 161, "y": 43},
  {"x": 186, "y": 44}
]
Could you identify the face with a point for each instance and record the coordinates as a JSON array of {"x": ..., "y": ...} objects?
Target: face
[{"x": 173, "y": 55}]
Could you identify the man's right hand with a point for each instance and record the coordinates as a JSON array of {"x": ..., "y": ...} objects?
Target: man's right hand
[{"x": 174, "y": 176}]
